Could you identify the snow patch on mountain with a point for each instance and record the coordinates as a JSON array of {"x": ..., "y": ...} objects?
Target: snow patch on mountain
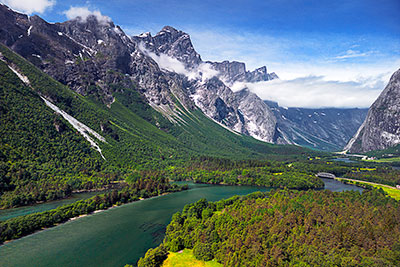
[
  {"x": 29, "y": 30},
  {"x": 79, "y": 126},
  {"x": 21, "y": 76}
]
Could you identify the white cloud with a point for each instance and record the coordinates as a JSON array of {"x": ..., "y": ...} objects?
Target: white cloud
[
  {"x": 31, "y": 6},
  {"x": 83, "y": 13},
  {"x": 317, "y": 92},
  {"x": 353, "y": 53},
  {"x": 351, "y": 70},
  {"x": 203, "y": 72}
]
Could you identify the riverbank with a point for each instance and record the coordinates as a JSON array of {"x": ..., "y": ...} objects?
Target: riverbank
[
  {"x": 18, "y": 227},
  {"x": 390, "y": 190},
  {"x": 80, "y": 217}
]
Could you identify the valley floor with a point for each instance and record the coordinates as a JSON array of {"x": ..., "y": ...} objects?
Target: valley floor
[{"x": 390, "y": 190}]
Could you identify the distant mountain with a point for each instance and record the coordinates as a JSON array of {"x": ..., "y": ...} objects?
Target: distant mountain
[
  {"x": 326, "y": 129},
  {"x": 381, "y": 128}
]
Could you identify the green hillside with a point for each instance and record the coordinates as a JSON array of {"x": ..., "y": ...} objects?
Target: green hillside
[{"x": 43, "y": 157}]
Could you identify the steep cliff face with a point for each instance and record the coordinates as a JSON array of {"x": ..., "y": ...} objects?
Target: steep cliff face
[
  {"x": 381, "y": 128},
  {"x": 258, "y": 117}
]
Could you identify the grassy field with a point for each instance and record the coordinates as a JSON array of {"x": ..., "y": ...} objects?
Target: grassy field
[
  {"x": 391, "y": 191},
  {"x": 186, "y": 259},
  {"x": 395, "y": 159}
]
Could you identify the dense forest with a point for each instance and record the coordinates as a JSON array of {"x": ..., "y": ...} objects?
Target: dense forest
[
  {"x": 288, "y": 228},
  {"x": 142, "y": 188}
]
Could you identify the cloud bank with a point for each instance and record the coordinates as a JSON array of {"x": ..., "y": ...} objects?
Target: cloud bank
[
  {"x": 316, "y": 92},
  {"x": 31, "y": 6},
  {"x": 82, "y": 13},
  {"x": 203, "y": 72}
]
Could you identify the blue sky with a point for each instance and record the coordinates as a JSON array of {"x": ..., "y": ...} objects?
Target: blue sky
[{"x": 347, "y": 47}]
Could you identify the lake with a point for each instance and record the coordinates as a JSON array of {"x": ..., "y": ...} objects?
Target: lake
[
  {"x": 119, "y": 235},
  {"x": 346, "y": 160}
]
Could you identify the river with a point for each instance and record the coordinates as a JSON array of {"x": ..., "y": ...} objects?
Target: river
[{"x": 117, "y": 236}]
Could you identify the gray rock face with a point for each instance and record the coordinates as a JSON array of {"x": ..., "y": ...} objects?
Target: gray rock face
[
  {"x": 381, "y": 128},
  {"x": 218, "y": 102},
  {"x": 173, "y": 43},
  {"x": 258, "y": 117},
  {"x": 245, "y": 113},
  {"x": 326, "y": 129},
  {"x": 51, "y": 48}
]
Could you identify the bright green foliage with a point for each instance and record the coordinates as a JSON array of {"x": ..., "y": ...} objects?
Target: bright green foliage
[
  {"x": 293, "y": 228},
  {"x": 33, "y": 153},
  {"x": 153, "y": 257},
  {"x": 185, "y": 258}
]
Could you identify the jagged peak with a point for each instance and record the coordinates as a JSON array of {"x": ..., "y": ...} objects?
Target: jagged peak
[
  {"x": 144, "y": 35},
  {"x": 262, "y": 69},
  {"x": 92, "y": 21},
  {"x": 273, "y": 75},
  {"x": 174, "y": 33},
  {"x": 169, "y": 29}
]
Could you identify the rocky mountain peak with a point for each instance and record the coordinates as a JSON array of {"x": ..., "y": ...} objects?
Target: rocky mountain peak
[
  {"x": 233, "y": 71},
  {"x": 177, "y": 44},
  {"x": 381, "y": 128}
]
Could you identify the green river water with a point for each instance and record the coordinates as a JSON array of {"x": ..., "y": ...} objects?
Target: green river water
[
  {"x": 119, "y": 235},
  {"x": 11, "y": 213}
]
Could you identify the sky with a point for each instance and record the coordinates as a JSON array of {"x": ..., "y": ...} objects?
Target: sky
[{"x": 327, "y": 53}]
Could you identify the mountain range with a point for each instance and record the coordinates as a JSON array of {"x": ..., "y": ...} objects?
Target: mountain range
[{"x": 95, "y": 58}]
